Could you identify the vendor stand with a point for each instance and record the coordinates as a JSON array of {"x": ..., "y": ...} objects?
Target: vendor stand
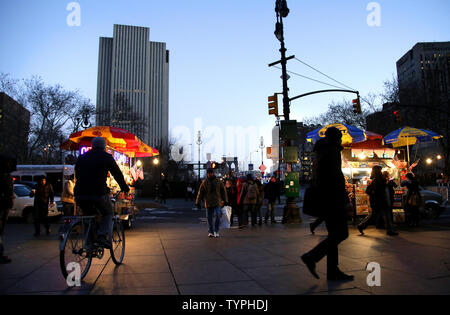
[
  {"x": 358, "y": 161},
  {"x": 125, "y": 149}
]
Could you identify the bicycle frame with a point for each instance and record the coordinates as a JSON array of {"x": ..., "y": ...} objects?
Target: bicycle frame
[{"x": 74, "y": 220}]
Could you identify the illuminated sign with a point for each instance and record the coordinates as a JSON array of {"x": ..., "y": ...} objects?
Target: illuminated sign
[
  {"x": 83, "y": 150},
  {"x": 119, "y": 157}
]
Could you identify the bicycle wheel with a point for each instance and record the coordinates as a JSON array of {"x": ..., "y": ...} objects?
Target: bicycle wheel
[
  {"x": 118, "y": 242},
  {"x": 73, "y": 251}
]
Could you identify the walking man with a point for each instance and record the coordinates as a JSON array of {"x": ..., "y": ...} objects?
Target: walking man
[
  {"x": 271, "y": 192},
  {"x": 43, "y": 195},
  {"x": 249, "y": 198},
  {"x": 213, "y": 192},
  {"x": 334, "y": 205}
]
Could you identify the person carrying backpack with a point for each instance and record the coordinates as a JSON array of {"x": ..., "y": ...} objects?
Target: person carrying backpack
[{"x": 249, "y": 198}]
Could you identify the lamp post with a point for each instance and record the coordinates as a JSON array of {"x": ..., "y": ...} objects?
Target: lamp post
[
  {"x": 291, "y": 210},
  {"x": 199, "y": 143}
]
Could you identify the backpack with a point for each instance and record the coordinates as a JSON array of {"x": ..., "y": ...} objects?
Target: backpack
[
  {"x": 414, "y": 199},
  {"x": 251, "y": 193}
]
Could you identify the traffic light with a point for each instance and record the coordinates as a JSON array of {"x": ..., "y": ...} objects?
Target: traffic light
[
  {"x": 273, "y": 105},
  {"x": 397, "y": 117},
  {"x": 357, "y": 106},
  {"x": 282, "y": 8}
]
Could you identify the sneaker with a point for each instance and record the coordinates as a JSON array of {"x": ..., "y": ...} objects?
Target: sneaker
[
  {"x": 210, "y": 235},
  {"x": 360, "y": 229},
  {"x": 216, "y": 234},
  {"x": 103, "y": 242}
]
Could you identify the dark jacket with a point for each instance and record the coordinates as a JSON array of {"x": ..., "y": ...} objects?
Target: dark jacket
[
  {"x": 231, "y": 196},
  {"x": 379, "y": 194},
  {"x": 328, "y": 177},
  {"x": 213, "y": 192},
  {"x": 6, "y": 191},
  {"x": 91, "y": 171},
  {"x": 244, "y": 198},
  {"x": 44, "y": 194},
  {"x": 413, "y": 187},
  {"x": 272, "y": 191}
]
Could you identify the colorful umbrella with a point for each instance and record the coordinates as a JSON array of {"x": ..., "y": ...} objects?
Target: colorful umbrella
[
  {"x": 409, "y": 136},
  {"x": 116, "y": 138},
  {"x": 350, "y": 134}
]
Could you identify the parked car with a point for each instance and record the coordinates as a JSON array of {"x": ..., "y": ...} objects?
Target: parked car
[
  {"x": 433, "y": 204},
  {"x": 23, "y": 204}
]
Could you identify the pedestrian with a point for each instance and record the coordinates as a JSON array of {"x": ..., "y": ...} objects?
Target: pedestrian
[
  {"x": 335, "y": 205},
  {"x": 380, "y": 201},
  {"x": 239, "y": 206},
  {"x": 7, "y": 165},
  {"x": 260, "y": 201},
  {"x": 249, "y": 198},
  {"x": 164, "y": 190},
  {"x": 413, "y": 199},
  {"x": 231, "y": 196},
  {"x": 213, "y": 192},
  {"x": 43, "y": 195},
  {"x": 67, "y": 197},
  {"x": 391, "y": 188},
  {"x": 271, "y": 193}
]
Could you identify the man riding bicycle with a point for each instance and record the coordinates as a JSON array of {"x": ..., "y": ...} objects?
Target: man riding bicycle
[{"x": 91, "y": 191}]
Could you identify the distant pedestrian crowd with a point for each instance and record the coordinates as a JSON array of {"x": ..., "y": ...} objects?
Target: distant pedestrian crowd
[{"x": 245, "y": 196}]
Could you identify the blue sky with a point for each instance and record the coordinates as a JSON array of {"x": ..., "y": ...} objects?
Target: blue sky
[{"x": 220, "y": 50}]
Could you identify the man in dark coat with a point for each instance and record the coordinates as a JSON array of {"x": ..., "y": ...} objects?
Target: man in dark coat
[
  {"x": 7, "y": 165},
  {"x": 91, "y": 191},
  {"x": 334, "y": 205},
  {"x": 43, "y": 195},
  {"x": 271, "y": 193}
]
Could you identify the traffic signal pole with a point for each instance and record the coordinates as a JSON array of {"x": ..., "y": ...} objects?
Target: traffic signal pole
[{"x": 291, "y": 210}]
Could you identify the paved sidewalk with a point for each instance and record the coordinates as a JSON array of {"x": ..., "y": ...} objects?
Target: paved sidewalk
[{"x": 173, "y": 258}]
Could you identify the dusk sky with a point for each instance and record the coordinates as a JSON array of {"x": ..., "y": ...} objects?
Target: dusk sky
[{"x": 220, "y": 51}]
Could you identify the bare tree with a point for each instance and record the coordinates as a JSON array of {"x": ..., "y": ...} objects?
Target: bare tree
[{"x": 342, "y": 112}]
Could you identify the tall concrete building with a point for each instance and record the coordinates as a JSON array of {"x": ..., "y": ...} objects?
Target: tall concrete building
[
  {"x": 424, "y": 74},
  {"x": 133, "y": 84}
]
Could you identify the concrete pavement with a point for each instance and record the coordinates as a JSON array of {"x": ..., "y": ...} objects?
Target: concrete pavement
[{"x": 168, "y": 253}]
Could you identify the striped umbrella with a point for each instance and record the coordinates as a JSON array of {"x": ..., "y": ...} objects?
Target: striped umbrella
[
  {"x": 407, "y": 136},
  {"x": 350, "y": 134}
]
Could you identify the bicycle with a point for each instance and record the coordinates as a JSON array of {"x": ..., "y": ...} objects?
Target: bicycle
[{"x": 79, "y": 243}]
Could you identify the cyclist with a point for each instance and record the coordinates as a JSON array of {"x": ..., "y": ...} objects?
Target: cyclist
[{"x": 91, "y": 191}]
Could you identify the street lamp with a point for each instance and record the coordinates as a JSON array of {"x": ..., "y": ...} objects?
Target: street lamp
[
  {"x": 156, "y": 161},
  {"x": 199, "y": 143},
  {"x": 429, "y": 161}
]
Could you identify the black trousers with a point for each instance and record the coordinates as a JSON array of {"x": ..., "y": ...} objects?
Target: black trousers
[
  {"x": 337, "y": 232},
  {"x": 41, "y": 217},
  {"x": 3, "y": 219}
]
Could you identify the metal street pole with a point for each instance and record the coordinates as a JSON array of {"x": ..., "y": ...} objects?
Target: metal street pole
[
  {"x": 291, "y": 210},
  {"x": 199, "y": 142}
]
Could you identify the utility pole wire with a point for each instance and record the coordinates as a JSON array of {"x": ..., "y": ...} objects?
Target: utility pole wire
[
  {"x": 324, "y": 74},
  {"x": 338, "y": 87}
]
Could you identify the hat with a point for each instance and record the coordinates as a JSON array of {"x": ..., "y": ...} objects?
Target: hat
[
  {"x": 99, "y": 142},
  {"x": 333, "y": 133}
]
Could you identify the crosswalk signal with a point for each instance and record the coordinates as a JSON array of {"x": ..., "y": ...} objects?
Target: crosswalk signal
[
  {"x": 273, "y": 105},
  {"x": 357, "y": 106},
  {"x": 397, "y": 117}
]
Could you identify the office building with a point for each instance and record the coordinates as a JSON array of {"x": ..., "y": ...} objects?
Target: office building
[{"x": 133, "y": 84}]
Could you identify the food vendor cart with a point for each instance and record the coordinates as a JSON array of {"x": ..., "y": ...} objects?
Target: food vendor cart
[
  {"x": 125, "y": 148},
  {"x": 358, "y": 161}
]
